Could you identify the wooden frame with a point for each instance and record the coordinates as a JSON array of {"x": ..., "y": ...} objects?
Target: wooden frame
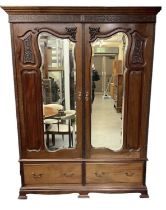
[{"x": 83, "y": 25}]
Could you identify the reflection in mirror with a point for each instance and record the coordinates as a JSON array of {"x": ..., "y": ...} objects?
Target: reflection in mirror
[
  {"x": 107, "y": 70},
  {"x": 58, "y": 74}
]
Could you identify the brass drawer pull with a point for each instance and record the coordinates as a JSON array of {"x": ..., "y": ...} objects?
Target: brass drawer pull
[
  {"x": 99, "y": 174},
  {"x": 129, "y": 173},
  {"x": 36, "y": 176},
  {"x": 68, "y": 174},
  {"x": 34, "y": 150}
]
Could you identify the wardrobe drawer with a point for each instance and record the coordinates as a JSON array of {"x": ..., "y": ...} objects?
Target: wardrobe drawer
[
  {"x": 55, "y": 173},
  {"x": 114, "y": 173}
]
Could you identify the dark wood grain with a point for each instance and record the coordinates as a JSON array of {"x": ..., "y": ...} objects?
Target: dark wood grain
[{"x": 134, "y": 109}]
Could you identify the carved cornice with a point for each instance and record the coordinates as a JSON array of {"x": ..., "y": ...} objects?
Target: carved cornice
[
  {"x": 119, "y": 18},
  {"x": 83, "y": 18},
  {"x": 80, "y": 10}
]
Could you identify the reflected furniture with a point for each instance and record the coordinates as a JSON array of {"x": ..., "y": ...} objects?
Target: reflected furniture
[
  {"x": 118, "y": 92},
  {"x": 112, "y": 90},
  {"x": 117, "y": 75},
  {"x": 116, "y": 67},
  {"x": 82, "y": 169},
  {"x": 63, "y": 126},
  {"x": 47, "y": 123}
]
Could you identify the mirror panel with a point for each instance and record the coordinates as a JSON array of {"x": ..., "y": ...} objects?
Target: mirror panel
[
  {"x": 58, "y": 74},
  {"x": 107, "y": 87}
]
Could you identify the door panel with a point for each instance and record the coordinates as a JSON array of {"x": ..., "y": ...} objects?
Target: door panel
[
  {"x": 136, "y": 87},
  {"x": 135, "y": 68},
  {"x": 28, "y": 61},
  {"x": 33, "y": 132},
  {"x": 134, "y": 109}
]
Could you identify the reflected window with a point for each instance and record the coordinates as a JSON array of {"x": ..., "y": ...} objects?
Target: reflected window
[
  {"x": 58, "y": 74},
  {"x": 107, "y": 87}
]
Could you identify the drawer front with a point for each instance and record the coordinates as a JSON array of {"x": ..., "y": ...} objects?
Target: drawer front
[
  {"x": 114, "y": 173},
  {"x": 56, "y": 173}
]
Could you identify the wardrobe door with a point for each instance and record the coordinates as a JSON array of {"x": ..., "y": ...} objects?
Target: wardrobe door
[
  {"x": 48, "y": 86},
  {"x": 117, "y": 86}
]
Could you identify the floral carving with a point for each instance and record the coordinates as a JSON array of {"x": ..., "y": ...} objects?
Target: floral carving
[
  {"x": 138, "y": 48},
  {"x": 72, "y": 32},
  {"x": 28, "y": 56},
  {"x": 93, "y": 32}
]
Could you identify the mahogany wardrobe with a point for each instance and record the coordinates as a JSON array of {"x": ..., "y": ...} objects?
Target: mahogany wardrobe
[{"x": 82, "y": 80}]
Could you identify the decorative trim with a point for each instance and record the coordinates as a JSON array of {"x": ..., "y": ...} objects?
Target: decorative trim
[
  {"x": 137, "y": 52},
  {"x": 29, "y": 45},
  {"x": 72, "y": 32},
  {"x": 142, "y": 18},
  {"x": 93, "y": 32},
  {"x": 119, "y": 18},
  {"x": 28, "y": 56},
  {"x": 80, "y": 10}
]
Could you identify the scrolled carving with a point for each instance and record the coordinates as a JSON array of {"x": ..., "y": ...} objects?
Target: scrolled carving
[
  {"x": 28, "y": 56},
  {"x": 137, "y": 55},
  {"x": 72, "y": 32},
  {"x": 29, "y": 47},
  {"x": 93, "y": 32}
]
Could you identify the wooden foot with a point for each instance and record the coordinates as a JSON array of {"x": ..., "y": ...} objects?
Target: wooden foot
[
  {"x": 144, "y": 195},
  {"x": 22, "y": 196},
  {"x": 83, "y": 195}
]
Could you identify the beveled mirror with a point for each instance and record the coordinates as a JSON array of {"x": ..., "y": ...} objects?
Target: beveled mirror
[
  {"x": 107, "y": 87},
  {"x": 58, "y": 74}
]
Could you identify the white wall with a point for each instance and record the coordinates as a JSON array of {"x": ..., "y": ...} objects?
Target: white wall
[{"x": 9, "y": 174}]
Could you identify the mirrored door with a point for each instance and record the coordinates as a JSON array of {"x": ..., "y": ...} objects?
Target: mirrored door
[
  {"x": 107, "y": 82},
  {"x": 106, "y": 70},
  {"x": 58, "y": 75}
]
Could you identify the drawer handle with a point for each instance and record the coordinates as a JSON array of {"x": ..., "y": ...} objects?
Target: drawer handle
[
  {"x": 87, "y": 96},
  {"x": 99, "y": 174},
  {"x": 79, "y": 96},
  {"x": 34, "y": 150},
  {"x": 36, "y": 176},
  {"x": 129, "y": 173},
  {"x": 68, "y": 174}
]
